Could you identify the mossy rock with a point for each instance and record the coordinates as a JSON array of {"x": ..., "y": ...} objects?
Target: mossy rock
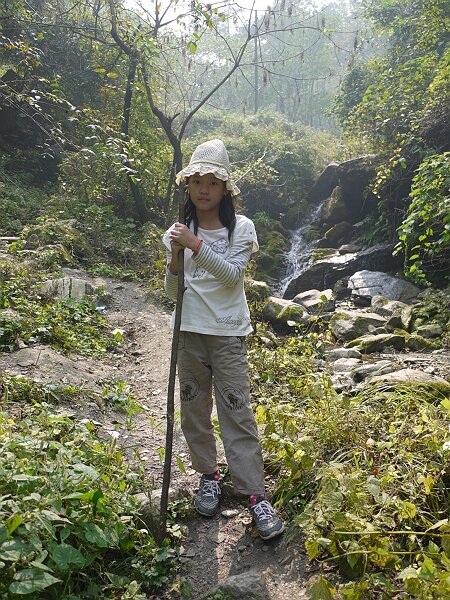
[
  {"x": 295, "y": 215},
  {"x": 418, "y": 342},
  {"x": 62, "y": 237},
  {"x": 376, "y": 343},
  {"x": 256, "y": 291},
  {"x": 312, "y": 233},
  {"x": 322, "y": 253}
]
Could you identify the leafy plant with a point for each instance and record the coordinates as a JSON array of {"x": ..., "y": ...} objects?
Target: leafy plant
[
  {"x": 65, "y": 323},
  {"x": 425, "y": 232},
  {"x": 364, "y": 478},
  {"x": 70, "y": 519}
]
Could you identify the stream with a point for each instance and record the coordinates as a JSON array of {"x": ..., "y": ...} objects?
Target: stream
[{"x": 298, "y": 257}]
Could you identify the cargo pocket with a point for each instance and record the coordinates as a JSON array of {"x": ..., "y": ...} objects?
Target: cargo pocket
[{"x": 236, "y": 345}]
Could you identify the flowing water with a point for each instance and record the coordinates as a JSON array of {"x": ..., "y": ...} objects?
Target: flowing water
[{"x": 298, "y": 257}]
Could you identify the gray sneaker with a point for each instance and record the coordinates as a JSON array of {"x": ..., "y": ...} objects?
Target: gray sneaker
[
  {"x": 207, "y": 500},
  {"x": 268, "y": 523}
]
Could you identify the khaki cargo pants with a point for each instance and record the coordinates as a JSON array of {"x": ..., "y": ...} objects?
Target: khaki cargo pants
[{"x": 204, "y": 360}]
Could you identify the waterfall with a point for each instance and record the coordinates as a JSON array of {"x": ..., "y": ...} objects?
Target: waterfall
[{"x": 298, "y": 257}]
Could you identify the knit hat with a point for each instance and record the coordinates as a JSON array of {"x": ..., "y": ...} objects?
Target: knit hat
[{"x": 210, "y": 157}]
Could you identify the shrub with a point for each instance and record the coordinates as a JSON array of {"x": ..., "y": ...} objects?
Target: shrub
[{"x": 425, "y": 233}]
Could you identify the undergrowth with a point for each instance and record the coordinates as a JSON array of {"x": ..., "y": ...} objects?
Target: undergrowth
[
  {"x": 365, "y": 479},
  {"x": 67, "y": 324},
  {"x": 70, "y": 525}
]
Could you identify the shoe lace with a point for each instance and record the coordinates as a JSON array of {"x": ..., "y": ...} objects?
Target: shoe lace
[
  {"x": 210, "y": 487},
  {"x": 263, "y": 510}
]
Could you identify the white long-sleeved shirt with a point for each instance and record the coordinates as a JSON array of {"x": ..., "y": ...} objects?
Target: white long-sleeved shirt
[{"x": 214, "y": 302}]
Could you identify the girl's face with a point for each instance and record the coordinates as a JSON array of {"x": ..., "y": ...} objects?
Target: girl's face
[{"x": 206, "y": 191}]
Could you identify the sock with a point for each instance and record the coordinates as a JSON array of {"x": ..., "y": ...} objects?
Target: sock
[
  {"x": 256, "y": 498},
  {"x": 213, "y": 476}
]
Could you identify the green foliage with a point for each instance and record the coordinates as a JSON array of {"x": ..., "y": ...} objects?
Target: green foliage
[
  {"x": 364, "y": 478},
  {"x": 70, "y": 519},
  {"x": 400, "y": 107},
  {"x": 401, "y": 80},
  {"x": 278, "y": 160},
  {"x": 20, "y": 202},
  {"x": 105, "y": 270},
  {"x": 98, "y": 172},
  {"x": 118, "y": 395},
  {"x": 425, "y": 232},
  {"x": 67, "y": 324}
]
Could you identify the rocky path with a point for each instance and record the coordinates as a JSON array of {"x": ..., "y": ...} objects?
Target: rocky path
[{"x": 218, "y": 553}]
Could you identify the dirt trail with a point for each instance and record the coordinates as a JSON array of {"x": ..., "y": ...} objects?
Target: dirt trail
[{"x": 216, "y": 548}]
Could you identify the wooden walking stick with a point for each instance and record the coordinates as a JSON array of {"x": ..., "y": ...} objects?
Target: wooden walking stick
[{"x": 172, "y": 375}]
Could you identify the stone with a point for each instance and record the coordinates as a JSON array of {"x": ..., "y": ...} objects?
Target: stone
[
  {"x": 342, "y": 353},
  {"x": 325, "y": 273},
  {"x": 406, "y": 317},
  {"x": 376, "y": 368},
  {"x": 324, "y": 184},
  {"x": 339, "y": 232},
  {"x": 367, "y": 284},
  {"x": 418, "y": 342},
  {"x": 385, "y": 307},
  {"x": 334, "y": 210},
  {"x": 67, "y": 287},
  {"x": 315, "y": 301},
  {"x": 351, "y": 324},
  {"x": 343, "y": 365},
  {"x": 280, "y": 312},
  {"x": 244, "y": 586},
  {"x": 256, "y": 290},
  {"x": 377, "y": 343},
  {"x": 349, "y": 249},
  {"x": 433, "y": 330},
  {"x": 411, "y": 376},
  {"x": 354, "y": 178}
]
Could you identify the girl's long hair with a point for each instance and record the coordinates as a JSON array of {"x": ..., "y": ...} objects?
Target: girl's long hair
[{"x": 227, "y": 213}]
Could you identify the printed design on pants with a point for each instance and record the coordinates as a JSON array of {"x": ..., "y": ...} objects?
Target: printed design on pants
[
  {"x": 189, "y": 389},
  {"x": 219, "y": 247},
  {"x": 234, "y": 398}
]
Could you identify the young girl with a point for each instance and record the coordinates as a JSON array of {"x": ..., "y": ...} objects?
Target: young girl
[{"x": 215, "y": 320}]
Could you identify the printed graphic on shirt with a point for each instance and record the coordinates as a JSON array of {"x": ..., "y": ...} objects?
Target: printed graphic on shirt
[
  {"x": 189, "y": 389},
  {"x": 234, "y": 398},
  {"x": 219, "y": 247},
  {"x": 230, "y": 321}
]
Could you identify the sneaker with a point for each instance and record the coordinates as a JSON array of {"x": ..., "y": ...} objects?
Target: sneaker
[
  {"x": 207, "y": 500},
  {"x": 268, "y": 523}
]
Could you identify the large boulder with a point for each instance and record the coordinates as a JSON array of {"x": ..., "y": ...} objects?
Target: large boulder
[
  {"x": 67, "y": 287},
  {"x": 385, "y": 307},
  {"x": 377, "y": 343},
  {"x": 412, "y": 376},
  {"x": 337, "y": 234},
  {"x": 354, "y": 177},
  {"x": 365, "y": 284},
  {"x": 334, "y": 210},
  {"x": 351, "y": 324},
  {"x": 325, "y": 273},
  {"x": 283, "y": 313},
  {"x": 315, "y": 301},
  {"x": 324, "y": 185}
]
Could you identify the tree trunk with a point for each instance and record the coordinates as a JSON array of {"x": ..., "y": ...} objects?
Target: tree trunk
[{"x": 140, "y": 208}]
